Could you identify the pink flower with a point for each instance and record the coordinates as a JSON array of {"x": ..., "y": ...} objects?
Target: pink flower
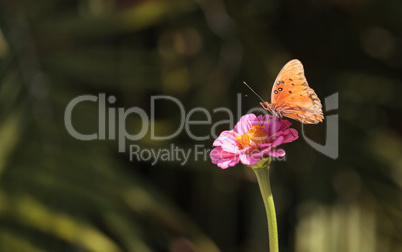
[{"x": 252, "y": 139}]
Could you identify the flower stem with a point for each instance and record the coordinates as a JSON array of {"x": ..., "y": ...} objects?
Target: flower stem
[{"x": 265, "y": 187}]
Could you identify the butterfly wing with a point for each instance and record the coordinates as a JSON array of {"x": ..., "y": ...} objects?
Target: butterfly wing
[
  {"x": 303, "y": 115},
  {"x": 292, "y": 97}
]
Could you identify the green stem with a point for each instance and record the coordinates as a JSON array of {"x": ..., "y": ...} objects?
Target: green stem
[{"x": 265, "y": 187}]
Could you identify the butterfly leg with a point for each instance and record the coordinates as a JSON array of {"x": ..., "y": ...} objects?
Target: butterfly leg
[
  {"x": 290, "y": 131},
  {"x": 281, "y": 118}
]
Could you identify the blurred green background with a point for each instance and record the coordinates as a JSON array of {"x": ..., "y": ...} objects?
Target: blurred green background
[{"x": 58, "y": 193}]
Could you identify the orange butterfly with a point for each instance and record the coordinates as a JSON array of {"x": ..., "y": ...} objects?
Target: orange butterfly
[{"x": 292, "y": 97}]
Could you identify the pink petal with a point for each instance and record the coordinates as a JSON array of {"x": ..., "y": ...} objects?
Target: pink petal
[
  {"x": 265, "y": 146},
  {"x": 284, "y": 124},
  {"x": 218, "y": 153},
  {"x": 227, "y": 142},
  {"x": 277, "y": 153},
  {"x": 222, "y": 158},
  {"x": 224, "y": 137},
  {"x": 273, "y": 152},
  {"x": 261, "y": 120},
  {"x": 290, "y": 136},
  {"x": 257, "y": 156},
  {"x": 224, "y": 164},
  {"x": 248, "y": 160},
  {"x": 266, "y": 151},
  {"x": 245, "y": 123},
  {"x": 273, "y": 126},
  {"x": 230, "y": 147},
  {"x": 277, "y": 141}
]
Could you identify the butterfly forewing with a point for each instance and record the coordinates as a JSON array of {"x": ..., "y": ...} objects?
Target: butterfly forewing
[
  {"x": 291, "y": 77},
  {"x": 292, "y": 97}
]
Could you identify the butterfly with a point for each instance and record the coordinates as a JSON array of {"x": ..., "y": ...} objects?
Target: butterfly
[{"x": 292, "y": 97}]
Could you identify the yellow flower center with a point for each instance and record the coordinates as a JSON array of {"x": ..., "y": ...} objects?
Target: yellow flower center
[{"x": 255, "y": 136}]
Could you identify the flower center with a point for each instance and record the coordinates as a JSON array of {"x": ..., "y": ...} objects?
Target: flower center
[{"x": 255, "y": 136}]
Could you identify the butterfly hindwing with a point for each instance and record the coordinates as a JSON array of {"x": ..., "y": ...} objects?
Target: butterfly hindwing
[{"x": 302, "y": 114}]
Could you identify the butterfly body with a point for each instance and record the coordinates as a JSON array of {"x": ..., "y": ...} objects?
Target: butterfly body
[{"x": 292, "y": 97}]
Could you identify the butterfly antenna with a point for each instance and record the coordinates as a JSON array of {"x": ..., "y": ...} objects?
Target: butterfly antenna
[{"x": 253, "y": 91}]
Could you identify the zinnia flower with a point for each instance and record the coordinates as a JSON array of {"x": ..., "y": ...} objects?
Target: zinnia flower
[{"x": 253, "y": 138}]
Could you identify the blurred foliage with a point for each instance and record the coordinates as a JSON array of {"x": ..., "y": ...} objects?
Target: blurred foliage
[{"x": 58, "y": 193}]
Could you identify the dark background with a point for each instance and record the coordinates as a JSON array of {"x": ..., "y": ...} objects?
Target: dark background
[{"x": 58, "y": 193}]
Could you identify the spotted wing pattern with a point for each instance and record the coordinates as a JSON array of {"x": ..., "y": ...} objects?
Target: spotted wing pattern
[{"x": 292, "y": 97}]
